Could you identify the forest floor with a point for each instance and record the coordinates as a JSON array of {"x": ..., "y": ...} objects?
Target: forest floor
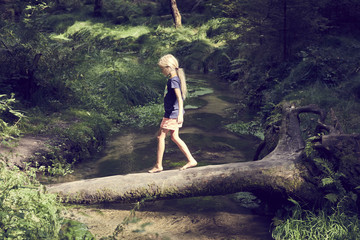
[{"x": 21, "y": 151}]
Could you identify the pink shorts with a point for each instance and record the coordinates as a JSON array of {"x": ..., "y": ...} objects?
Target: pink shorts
[{"x": 170, "y": 124}]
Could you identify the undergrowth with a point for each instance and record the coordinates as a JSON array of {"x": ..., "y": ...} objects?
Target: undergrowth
[
  {"x": 26, "y": 211},
  {"x": 299, "y": 224},
  {"x": 9, "y": 119},
  {"x": 335, "y": 217}
]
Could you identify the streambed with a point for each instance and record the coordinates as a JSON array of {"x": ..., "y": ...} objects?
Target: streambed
[{"x": 214, "y": 217}]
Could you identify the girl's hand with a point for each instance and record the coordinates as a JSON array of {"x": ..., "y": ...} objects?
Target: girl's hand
[{"x": 180, "y": 119}]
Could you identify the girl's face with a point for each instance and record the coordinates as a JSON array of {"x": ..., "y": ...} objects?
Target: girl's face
[{"x": 165, "y": 71}]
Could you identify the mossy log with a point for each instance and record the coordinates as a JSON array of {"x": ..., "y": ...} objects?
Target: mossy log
[{"x": 283, "y": 171}]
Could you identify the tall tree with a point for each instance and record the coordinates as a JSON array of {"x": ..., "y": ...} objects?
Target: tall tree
[{"x": 175, "y": 13}]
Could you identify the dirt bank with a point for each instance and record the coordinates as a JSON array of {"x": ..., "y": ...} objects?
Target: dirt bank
[{"x": 24, "y": 149}]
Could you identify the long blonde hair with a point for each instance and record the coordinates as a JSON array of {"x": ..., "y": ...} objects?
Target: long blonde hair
[{"x": 169, "y": 61}]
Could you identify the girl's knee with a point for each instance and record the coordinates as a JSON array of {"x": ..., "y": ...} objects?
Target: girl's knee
[
  {"x": 175, "y": 138},
  {"x": 160, "y": 137},
  {"x": 161, "y": 134}
]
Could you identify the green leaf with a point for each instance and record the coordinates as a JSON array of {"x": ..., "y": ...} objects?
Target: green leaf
[
  {"x": 327, "y": 181},
  {"x": 332, "y": 197}
]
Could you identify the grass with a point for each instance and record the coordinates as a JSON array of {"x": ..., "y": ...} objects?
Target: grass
[
  {"x": 317, "y": 225},
  {"x": 103, "y": 30}
]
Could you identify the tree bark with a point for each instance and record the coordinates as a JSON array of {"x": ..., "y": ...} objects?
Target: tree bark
[
  {"x": 283, "y": 172},
  {"x": 175, "y": 13}
]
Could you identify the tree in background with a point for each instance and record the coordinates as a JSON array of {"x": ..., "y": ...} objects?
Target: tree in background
[{"x": 175, "y": 13}]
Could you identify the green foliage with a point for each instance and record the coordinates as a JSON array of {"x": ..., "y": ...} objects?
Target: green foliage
[
  {"x": 247, "y": 200},
  {"x": 9, "y": 119},
  {"x": 304, "y": 224},
  {"x": 75, "y": 136},
  {"x": 142, "y": 116},
  {"x": 337, "y": 218},
  {"x": 251, "y": 128},
  {"x": 83, "y": 138},
  {"x": 109, "y": 80},
  {"x": 195, "y": 55},
  {"x": 330, "y": 180},
  {"x": 74, "y": 230},
  {"x": 122, "y": 11},
  {"x": 53, "y": 163},
  {"x": 26, "y": 211}
]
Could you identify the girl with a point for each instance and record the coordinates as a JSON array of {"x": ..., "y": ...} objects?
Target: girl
[{"x": 174, "y": 111}]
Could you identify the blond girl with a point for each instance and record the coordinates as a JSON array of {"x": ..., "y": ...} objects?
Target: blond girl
[{"x": 174, "y": 111}]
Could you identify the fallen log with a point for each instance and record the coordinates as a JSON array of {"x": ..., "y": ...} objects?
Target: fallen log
[
  {"x": 283, "y": 171},
  {"x": 274, "y": 174}
]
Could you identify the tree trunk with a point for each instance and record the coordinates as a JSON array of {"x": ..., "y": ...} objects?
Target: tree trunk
[
  {"x": 283, "y": 172},
  {"x": 175, "y": 13}
]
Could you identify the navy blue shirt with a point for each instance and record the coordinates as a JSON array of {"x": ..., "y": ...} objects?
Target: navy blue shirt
[{"x": 171, "y": 104}]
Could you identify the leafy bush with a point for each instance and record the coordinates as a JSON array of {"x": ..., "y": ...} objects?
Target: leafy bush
[
  {"x": 143, "y": 116},
  {"x": 75, "y": 230},
  {"x": 251, "y": 128},
  {"x": 75, "y": 135},
  {"x": 9, "y": 119},
  {"x": 26, "y": 211},
  {"x": 83, "y": 138}
]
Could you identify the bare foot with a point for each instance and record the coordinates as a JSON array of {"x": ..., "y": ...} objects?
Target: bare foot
[
  {"x": 189, "y": 165},
  {"x": 155, "y": 170}
]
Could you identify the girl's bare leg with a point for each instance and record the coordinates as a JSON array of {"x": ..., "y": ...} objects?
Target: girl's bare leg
[
  {"x": 160, "y": 151},
  {"x": 184, "y": 149}
]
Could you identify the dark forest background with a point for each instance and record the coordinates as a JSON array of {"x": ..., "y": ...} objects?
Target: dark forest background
[{"x": 79, "y": 69}]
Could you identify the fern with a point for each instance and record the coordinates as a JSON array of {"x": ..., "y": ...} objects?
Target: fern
[
  {"x": 9, "y": 129},
  {"x": 325, "y": 166},
  {"x": 327, "y": 181},
  {"x": 309, "y": 147}
]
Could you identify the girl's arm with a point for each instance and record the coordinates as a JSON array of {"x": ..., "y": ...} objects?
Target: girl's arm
[{"x": 181, "y": 105}]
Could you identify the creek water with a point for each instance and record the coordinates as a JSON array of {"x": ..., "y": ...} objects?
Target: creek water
[{"x": 208, "y": 109}]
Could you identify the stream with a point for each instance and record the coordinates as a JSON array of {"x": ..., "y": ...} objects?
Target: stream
[
  {"x": 207, "y": 112},
  {"x": 235, "y": 216}
]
